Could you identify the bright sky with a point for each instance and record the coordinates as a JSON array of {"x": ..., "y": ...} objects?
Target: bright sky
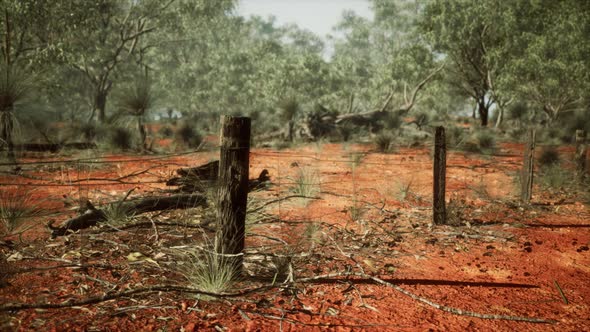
[{"x": 319, "y": 16}]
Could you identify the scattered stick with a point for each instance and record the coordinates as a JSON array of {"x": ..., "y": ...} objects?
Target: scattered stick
[
  {"x": 457, "y": 311},
  {"x": 433, "y": 304},
  {"x": 113, "y": 296},
  {"x": 565, "y": 300}
]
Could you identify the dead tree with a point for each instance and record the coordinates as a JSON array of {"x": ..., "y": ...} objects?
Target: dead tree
[{"x": 373, "y": 116}]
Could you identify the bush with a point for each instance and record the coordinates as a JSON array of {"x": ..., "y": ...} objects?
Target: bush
[
  {"x": 166, "y": 132},
  {"x": 121, "y": 138},
  {"x": 486, "y": 140},
  {"x": 384, "y": 142},
  {"x": 189, "y": 136},
  {"x": 549, "y": 156},
  {"x": 555, "y": 177},
  {"x": 89, "y": 132},
  {"x": 455, "y": 136}
]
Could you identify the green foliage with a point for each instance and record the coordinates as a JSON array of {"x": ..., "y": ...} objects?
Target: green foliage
[
  {"x": 289, "y": 109},
  {"x": 384, "y": 142},
  {"x": 207, "y": 270},
  {"x": 455, "y": 136},
  {"x": 306, "y": 183},
  {"x": 486, "y": 140},
  {"x": 554, "y": 177},
  {"x": 17, "y": 206}
]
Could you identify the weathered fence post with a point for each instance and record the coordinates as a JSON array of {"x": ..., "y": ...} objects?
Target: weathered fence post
[
  {"x": 233, "y": 189},
  {"x": 580, "y": 157},
  {"x": 526, "y": 177},
  {"x": 439, "y": 209}
]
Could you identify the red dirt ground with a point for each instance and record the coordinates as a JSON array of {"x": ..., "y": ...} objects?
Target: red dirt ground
[{"x": 372, "y": 217}]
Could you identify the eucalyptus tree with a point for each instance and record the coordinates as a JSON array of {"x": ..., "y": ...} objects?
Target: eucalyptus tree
[
  {"x": 464, "y": 32},
  {"x": 382, "y": 62},
  {"x": 546, "y": 58}
]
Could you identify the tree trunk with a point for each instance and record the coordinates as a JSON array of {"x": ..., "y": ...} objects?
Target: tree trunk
[
  {"x": 500, "y": 117},
  {"x": 483, "y": 111},
  {"x": 142, "y": 134},
  {"x": 100, "y": 102}
]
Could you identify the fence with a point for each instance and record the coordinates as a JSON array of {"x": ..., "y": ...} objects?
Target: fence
[{"x": 353, "y": 181}]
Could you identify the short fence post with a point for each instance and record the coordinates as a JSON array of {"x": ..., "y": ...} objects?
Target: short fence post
[
  {"x": 526, "y": 178},
  {"x": 440, "y": 170},
  {"x": 233, "y": 189},
  {"x": 580, "y": 157}
]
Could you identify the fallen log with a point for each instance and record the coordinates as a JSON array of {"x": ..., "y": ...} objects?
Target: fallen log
[
  {"x": 54, "y": 147},
  {"x": 198, "y": 179},
  {"x": 93, "y": 216}
]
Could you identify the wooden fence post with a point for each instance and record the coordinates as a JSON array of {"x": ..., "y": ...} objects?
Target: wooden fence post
[
  {"x": 580, "y": 157},
  {"x": 233, "y": 189},
  {"x": 439, "y": 209},
  {"x": 526, "y": 178}
]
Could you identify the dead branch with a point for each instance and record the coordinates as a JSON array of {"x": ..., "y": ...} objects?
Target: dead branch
[
  {"x": 137, "y": 291},
  {"x": 93, "y": 216},
  {"x": 406, "y": 107}
]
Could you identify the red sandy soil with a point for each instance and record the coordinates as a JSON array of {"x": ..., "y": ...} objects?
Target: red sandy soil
[{"x": 501, "y": 258}]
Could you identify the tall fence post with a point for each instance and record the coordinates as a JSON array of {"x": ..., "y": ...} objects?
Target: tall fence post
[
  {"x": 580, "y": 157},
  {"x": 439, "y": 209},
  {"x": 526, "y": 178},
  {"x": 233, "y": 189}
]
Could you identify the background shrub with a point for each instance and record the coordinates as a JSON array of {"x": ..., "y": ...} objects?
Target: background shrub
[
  {"x": 188, "y": 136},
  {"x": 121, "y": 138}
]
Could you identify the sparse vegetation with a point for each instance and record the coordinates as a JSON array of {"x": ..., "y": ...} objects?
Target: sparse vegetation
[
  {"x": 206, "y": 270},
  {"x": 121, "y": 138},
  {"x": 188, "y": 136},
  {"x": 306, "y": 183},
  {"x": 17, "y": 207},
  {"x": 384, "y": 142},
  {"x": 549, "y": 156}
]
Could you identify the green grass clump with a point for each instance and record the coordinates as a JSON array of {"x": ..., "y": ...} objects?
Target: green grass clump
[
  {"x": 207, "y": 270},
  {"x": 16, "y": 207},
  {"x": 306, "y": 183},
  {"x": 384, "y": 142},
  {"x": 554, "y": 177},
  {"x": 486, "y": 141}
]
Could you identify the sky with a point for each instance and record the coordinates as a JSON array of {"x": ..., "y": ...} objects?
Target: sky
[{"x": 319, "y": 16}]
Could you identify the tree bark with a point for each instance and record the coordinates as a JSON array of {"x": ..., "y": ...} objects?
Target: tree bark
[
  {"x": 233, "y": 190},
  {"x": 500, "y": 116},
  {"x": 483, "y": 111},
  {"x": 100, "y": 102}
]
